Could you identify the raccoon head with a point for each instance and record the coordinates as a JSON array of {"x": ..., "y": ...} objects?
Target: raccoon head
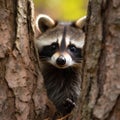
[{"x": 60, "y": 43}]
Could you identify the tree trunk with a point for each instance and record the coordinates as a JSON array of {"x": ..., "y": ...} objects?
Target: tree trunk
[
  {"x": 22, "y": 96},
  {"x": 100, "y": 99}
]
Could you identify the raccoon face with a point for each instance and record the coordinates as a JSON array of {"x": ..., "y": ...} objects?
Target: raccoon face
[{"x": 60, "y": 44}]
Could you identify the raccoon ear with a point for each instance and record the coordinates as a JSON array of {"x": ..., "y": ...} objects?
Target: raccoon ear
[
  {"x": 80, "y": 23},
  {"x": 44, "y": 22}
]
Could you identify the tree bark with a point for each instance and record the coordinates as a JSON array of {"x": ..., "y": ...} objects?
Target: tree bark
[
  {"x": 100, "y": 99},
  {"x": 21, "y": 94}
]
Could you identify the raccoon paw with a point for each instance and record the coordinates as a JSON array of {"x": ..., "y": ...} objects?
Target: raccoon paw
[
  {"x": 71, "y": 101},
  {"x": 69, "y": 105}
]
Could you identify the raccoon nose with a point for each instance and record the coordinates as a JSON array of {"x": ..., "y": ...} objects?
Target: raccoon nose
[{"x": 61, "y": 60}]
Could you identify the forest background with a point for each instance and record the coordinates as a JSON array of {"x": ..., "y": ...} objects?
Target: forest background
[{"x": 62, "y": 9}]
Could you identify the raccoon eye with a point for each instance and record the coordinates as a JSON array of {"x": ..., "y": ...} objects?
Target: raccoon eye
[
  {"x": 72, "y": 48},
  {"x": 54, "y": 46}
]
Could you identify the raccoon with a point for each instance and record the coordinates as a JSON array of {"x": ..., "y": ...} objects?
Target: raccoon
[{"x": 60, "y": 50}]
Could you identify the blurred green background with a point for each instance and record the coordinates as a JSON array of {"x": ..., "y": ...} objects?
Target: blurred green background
[{"x": 62, "y": 9}]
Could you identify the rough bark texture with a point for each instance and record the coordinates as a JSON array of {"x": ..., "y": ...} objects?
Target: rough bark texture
[
  {"x": 21, "y": 93},
  {"x": 109, "y": 65},
  {"x": 100, "y": 99}
]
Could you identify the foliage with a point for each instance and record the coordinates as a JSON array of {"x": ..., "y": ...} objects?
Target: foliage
[{"x": 62, "y": 9}]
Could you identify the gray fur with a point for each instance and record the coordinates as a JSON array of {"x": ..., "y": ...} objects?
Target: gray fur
[{"x": 62, "y": 84}]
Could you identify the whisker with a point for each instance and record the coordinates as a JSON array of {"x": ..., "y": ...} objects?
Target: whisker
[
  {"x": 78, "y": 59},
  {"x": 43, "y": 58}
]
